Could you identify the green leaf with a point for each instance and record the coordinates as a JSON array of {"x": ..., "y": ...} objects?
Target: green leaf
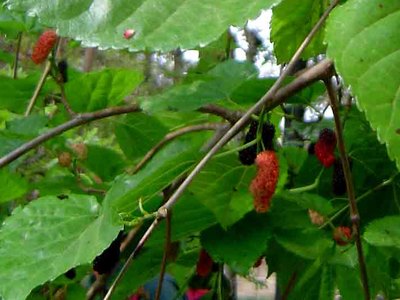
[
  {"x": 15, "y": 93},
  {"x": 48, "y": 237},
  {"x": 223, "y": 188},
  {"x": 217, "y": 84},
  {"x": 310, "y": 201},
  {"x": 106, "y": 163},
  {"x": 96, "y": 90},
  {"x": 172, "y": 161},
  {"x": 12, "y": 186},
  {"x": 309, "y": 244},
  {"x": 250, "y": 236},
  {"x": 384, "y": 232},
  {"x": 349, "y": 283},
  {"x": 290, "y": 24},
  {"x": 367, "y": 55},
  {"x": 29, "y": 126},
  {"x": 137, "y": 133},
  {"x": 159, "y": 24}
]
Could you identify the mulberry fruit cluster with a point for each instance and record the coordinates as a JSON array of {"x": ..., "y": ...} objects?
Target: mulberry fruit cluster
[
  {"x": 342, "y": 235},
  {"x": 325, "y": 147},
  {"x": 204, "y": 264},
  {"x": 43, "y": 46},
  {"x": 248, "y": 155},
  {"x": 106, "y": 261},
  {"x": 264, "y": 184}
]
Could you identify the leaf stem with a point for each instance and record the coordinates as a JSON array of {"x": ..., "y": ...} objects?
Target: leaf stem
[
  {"x": 17, "y": 50},
  {"x": 307, "y": 187},
  {"x": 354, "y": 215}
]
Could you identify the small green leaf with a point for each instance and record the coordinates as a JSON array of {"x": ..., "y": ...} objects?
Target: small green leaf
[
  {"x": 137, "y": 133},
  {"x": 349, "y": 283},
  {"x": 48, "y": 237},
  {"x": 93, "y": 91},
  {"x": 290, "y": 24},
  {"x": 384, "y": 232},
  {"x": 367, "y": 55},
  {"x": 250, "y": 234},
  {"x": 216, "y": 85},
  {"x": 28, "y": 126},
  {"x": 12, "y": 186}
]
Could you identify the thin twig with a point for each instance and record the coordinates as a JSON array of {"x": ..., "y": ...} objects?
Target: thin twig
[
  {"x": 266, "y": 101},
  {"x": 15, "y": 69},
  {"x": 171, "y": 136},
  {"x": 354, "y": 215},
  {"x": 64, "y": 98},
  {"x": 75, "y": 122},
  {"x": 38, "y": 88},
  {"x": 231, "y": 116},
  {"x": 290, "y": 285},
  {"x": 165, "y": 255}
]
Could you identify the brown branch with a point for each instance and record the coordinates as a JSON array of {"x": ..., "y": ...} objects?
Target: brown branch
[
  {"x": 354, "y": 215},
  {"x": 290, "y": 285},
  {"x": 75, "y": 122},
  {"x": 266, "y": 101},
  {"x": 229, "y": 115},
  {"x": 171, "y": 136},
  {"x": 15, "y": 69}
]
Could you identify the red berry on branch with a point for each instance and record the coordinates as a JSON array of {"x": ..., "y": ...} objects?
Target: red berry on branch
[
  {"x": 204, "y": 264},
  {"x": 342, "y": 235},
  {"x": 264, "y": 184},
  {"x": 43, "y": 46},
  {"x": 325, "y": 147}
]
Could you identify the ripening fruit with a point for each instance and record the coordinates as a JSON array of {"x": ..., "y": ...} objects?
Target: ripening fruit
[
  {"x": 64, "y": 159},
  {"x": 204, "y": 264},
  {"x": 342, "y": 235},
  {"x": 70, "y": 274},
  {"x": 248, "y": 155},
  {"x": 129, "y": 33},
  {"x": 106, "y": 261},
  {"x": 63, "y": 69},
  {"x": 264, "y": 184},
  {"x": 325, "y": 147},
  {"x": 80, "y": 150},
  {"x": 43, "y": 46},
  {"x": 315, "y": 217}
]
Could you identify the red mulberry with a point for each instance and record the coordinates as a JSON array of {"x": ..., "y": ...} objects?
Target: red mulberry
[
  {"x": 204, "y": 264},
  {"x": 342, "y": 235},
  {"x": 325, "y": 147},
  {"x": 43, "y": 46},
  {"x": 264, "y": 184}
]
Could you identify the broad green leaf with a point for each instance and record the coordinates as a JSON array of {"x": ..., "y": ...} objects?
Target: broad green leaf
[
  {"x": 159, "y": 24},
  {"x": 28, "y": 126},
  {"x": 217, "y": 84},
  {"x": 291, "y": 22},
  {"x": 168, "y": 164},
  {"x": 222, "y": 186},
  {"x": 367, "y": 55},
  {"x": 106, "y": 163},
  {"x": 250, "y": 235},
  {"x": 327, "y": 287},
  {"x": 309, "y": 201},
  {"x": 12, "y": 185},
  {"x": 48, "y": 237},
  {"x": 137, "y": 133},
  {"x": 384, "y": 232},
  {"x": 189, "y": 217},
  {"x": 9, "y": 141},
  {"x": 15, "y": 93},
  {"x": 349, "y": 283},
  {"x": 309, "y": 244},
  {"x": 97, "y": 90}
]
